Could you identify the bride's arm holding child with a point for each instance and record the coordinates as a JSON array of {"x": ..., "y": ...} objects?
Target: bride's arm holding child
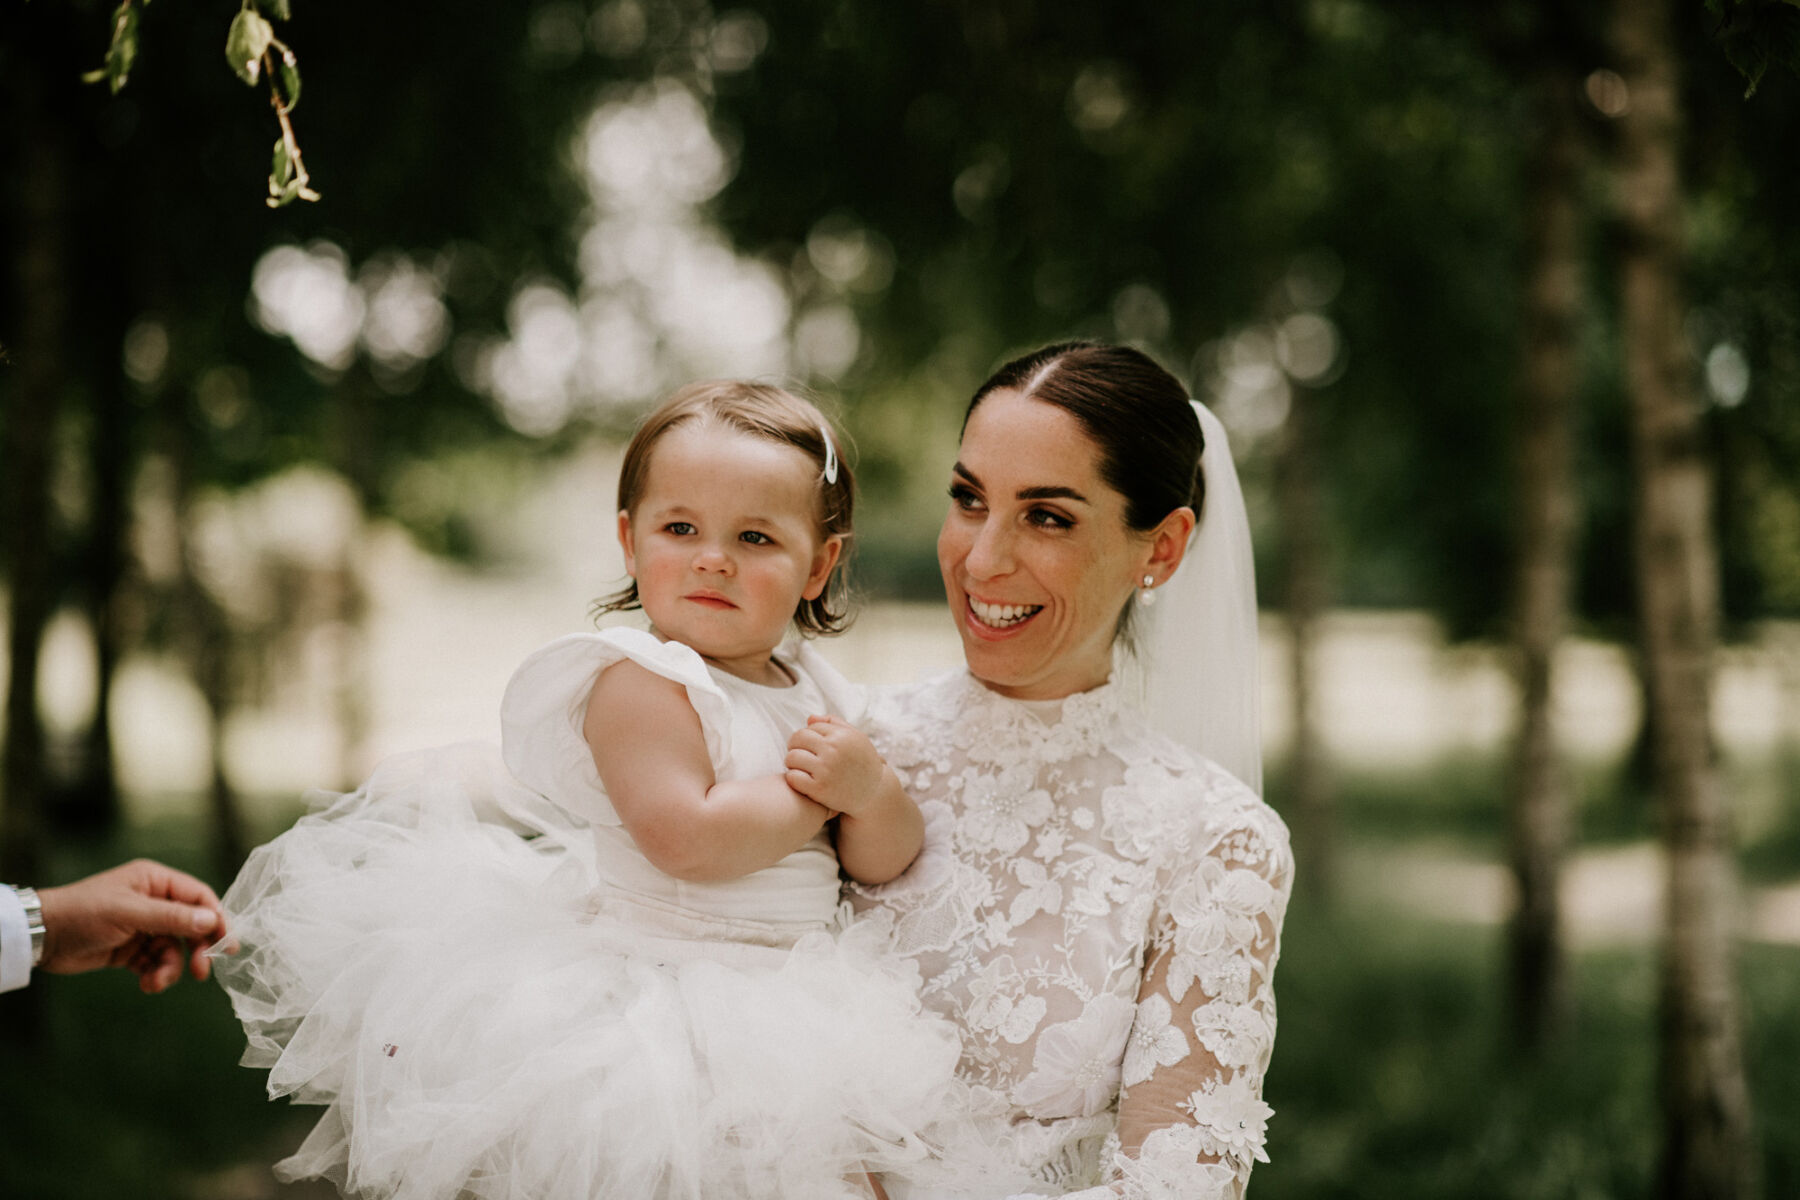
[
  {"x": 650, "y": 750},
  {"x": 880, "y": 830}
]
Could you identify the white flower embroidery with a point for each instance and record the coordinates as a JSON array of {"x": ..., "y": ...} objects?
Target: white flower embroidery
[
  {"x": 1168, "y": 1167},
  {"x": 1233, "y": 1117},
  {"x": 1076, "y": 1068},
  {"x": 1221, "y": 905},
  {"x": 1040, "y": 894},
  {"x": 1099, "y": 883},
  {"x": 1154, "y": 1041},
  {"x": 1145, "y": 812},
  {"x": 1222, "y": 974},
  {"x": 999, "y": 813},
  {"x": 1022, "y": 1021},
  {"x": 1083, "y": 818},
  {"x": 994, "y": 1005},
  {"x": 1235, "y": 1034}
]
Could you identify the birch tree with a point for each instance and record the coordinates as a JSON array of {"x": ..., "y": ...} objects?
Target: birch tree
[{"x": 1708, "y": 1148}]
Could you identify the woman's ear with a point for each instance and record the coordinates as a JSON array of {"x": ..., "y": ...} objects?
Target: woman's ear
[
  {"x": 625, "y": 543},
  {"x": 1168, "y": 544},
  {"x": 824, "y": 562}
]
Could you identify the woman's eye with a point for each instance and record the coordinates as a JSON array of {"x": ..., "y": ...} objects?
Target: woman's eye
[
  {"x": 1044, "y": 518},
  {"x": 964, "y": 497}
]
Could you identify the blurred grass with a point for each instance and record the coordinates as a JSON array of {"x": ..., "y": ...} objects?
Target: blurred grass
[
  {"x": 1392, "y": 1075},
  {"x": 118, "y": 1094}
]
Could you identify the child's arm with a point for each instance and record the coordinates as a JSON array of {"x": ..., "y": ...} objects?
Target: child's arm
[
  {"x": 651, "y": 752},
  {"x": 880, "y": 829}
]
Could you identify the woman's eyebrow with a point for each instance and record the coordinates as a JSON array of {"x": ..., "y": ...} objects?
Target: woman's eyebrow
[
  {"x": 1052, "y": 493},
  {"x": 1041, "y": 492}
]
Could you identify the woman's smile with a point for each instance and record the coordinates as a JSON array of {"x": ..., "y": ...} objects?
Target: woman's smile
[{"x": 1000, "y": 618}]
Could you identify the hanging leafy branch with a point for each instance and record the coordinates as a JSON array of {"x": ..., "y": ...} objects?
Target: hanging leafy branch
[
  {"x": 255, "y": 53},
  {"x": 1756, "y": 35}
]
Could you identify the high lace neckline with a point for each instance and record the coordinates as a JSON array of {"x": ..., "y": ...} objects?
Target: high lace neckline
[{"x": 1046, "y": 730}]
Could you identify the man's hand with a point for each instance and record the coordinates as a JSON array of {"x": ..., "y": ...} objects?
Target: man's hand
[{"x": 143, "y": 916}]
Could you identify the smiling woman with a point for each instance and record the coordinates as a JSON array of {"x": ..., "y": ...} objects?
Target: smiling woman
[
  {"x": 1038, "y": 557},
  {"x": 1097, "y": 907}
]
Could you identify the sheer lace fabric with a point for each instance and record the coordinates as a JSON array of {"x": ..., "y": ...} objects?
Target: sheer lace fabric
[{"x": 1100, "y": 912}]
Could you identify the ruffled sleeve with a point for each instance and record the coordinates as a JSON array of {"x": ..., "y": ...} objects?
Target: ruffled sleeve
[
  {"x": 545, "y": 706},
  {"x": 842, "y": 698}
]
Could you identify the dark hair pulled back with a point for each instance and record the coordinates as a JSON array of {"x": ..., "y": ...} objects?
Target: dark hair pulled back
[{"x": 1137, "y": 414}]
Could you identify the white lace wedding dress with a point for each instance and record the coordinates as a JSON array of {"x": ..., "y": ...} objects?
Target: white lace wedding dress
[{"x": 1100, "y": 912}]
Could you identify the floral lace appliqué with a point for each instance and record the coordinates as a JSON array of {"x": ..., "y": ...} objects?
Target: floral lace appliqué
[{"x": 1100, "y": 913}]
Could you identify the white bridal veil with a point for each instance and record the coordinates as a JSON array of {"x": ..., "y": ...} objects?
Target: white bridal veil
[{"x": 1198, "y": 660}]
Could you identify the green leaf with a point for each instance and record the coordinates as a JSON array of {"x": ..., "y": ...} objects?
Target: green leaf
[
  {"x": 278, "y": 9},
  {"x": 121, "y": 51},
  {"x": 282, "y": 169},
  {"x": 290, "y": 78},
  {"x": 249, "y": 37},
  {"x": 281, "y": 195}
]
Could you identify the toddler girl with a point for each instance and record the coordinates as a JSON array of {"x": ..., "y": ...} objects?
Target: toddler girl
[{"x": 640, "y": 998}]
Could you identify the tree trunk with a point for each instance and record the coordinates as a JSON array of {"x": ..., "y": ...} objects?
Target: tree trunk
[
  {"x": 351, "y": 694},
  {"x": 213, "y": 671},
  {"x": 39, "y": 274},
  {"x": 1305, "y": 587},
  {"x": 211, "y": 647},
  {"x": 92, "y": 804},
  {"x": 1537, "y": 802},
  {"x": 351, "y": 440},
  {"x": 1709, "y": 1150}
]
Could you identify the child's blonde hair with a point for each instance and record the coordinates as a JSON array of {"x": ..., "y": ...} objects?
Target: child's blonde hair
[{"x": 765, "y": 411}]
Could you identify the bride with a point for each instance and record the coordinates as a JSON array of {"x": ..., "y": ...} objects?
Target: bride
[{"x": 1097, "y": 907}]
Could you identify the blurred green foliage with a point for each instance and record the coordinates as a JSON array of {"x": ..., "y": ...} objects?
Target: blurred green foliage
[{"x": 1006, "y": 174}]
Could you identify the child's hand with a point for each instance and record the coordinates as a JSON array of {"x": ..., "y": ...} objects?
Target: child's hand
[{"x": 831, "y": 762}]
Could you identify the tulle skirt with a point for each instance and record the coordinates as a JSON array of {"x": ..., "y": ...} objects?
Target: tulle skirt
[{"x": 475, "y": 1028}]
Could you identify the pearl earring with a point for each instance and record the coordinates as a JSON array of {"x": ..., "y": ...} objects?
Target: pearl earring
[{"x": 1146, "y": 596}]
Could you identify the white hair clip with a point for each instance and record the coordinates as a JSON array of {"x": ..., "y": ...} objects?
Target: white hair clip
[{"x": 831, "y": 471}]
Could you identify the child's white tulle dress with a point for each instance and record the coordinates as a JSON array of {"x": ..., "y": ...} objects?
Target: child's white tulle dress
[{"x": 470, "y": 963}]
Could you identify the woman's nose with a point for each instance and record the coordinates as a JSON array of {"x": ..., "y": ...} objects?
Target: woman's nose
[{"x": 990, "y": 553}]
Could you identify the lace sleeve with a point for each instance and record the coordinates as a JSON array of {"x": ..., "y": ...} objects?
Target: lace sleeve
[{"x": 1192, "y": 1117}]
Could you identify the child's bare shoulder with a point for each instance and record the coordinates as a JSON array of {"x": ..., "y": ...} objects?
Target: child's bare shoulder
[{"x": 628, "y": 693}]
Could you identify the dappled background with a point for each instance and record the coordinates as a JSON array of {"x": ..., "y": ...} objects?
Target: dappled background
[{"x": 1482, "y": 296}]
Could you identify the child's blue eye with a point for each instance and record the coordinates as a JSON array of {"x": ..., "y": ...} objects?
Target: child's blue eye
[{"x": 756, "y": 538}]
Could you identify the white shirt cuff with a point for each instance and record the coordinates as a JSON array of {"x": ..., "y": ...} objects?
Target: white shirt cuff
[{"x": 15, "y": 942}]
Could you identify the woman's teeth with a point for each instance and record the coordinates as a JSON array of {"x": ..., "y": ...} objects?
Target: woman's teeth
[{"x": 999, "y": 616}]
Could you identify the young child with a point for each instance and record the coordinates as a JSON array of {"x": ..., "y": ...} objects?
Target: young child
[{"x": 642, "y": 1000}]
